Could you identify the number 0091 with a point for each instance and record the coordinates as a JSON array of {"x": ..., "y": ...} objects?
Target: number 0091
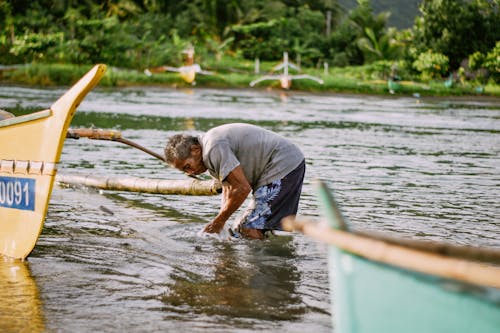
[{"x": 17, "y": 193}]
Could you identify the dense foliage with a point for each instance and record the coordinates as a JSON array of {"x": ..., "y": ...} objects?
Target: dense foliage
[
  {"x": 403, "y": 13},
  {"x": 457, "y": 28},
  {"x": 145, "y": 33}
]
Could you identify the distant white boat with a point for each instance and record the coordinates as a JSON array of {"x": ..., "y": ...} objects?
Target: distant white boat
[
  {"x": 187, "y": 72},
  {"x": 285, "y": 78}
]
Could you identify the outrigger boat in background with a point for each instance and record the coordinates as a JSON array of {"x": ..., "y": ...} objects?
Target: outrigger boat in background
[
  {"x": 30, "y": 149},
  {"x": 383, "y": 284},
  {"x": 187, "y": 72},
  {"x": 285, "y": 78}
]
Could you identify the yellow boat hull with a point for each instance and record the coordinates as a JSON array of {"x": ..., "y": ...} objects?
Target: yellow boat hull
[
  {"x": 30, "y": 148},
  {"x": 188, "y": 75}
]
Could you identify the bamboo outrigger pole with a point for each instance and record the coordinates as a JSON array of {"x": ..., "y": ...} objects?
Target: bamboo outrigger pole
[
  {"x": 193, "y": 186},
  {"x": 145, "y": 185},
  {"x": 111, "y": 135},
  {"x": 427, "y": 261}
]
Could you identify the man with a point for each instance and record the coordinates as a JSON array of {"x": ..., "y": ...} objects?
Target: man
[{"x": 244, "y": 158}]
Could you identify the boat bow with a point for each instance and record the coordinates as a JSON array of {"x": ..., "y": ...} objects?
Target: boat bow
[{"x": 31, "y": 148}]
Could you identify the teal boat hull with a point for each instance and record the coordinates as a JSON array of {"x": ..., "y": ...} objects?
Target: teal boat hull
[
  {"x": 393, "y": 86},
  {"x": 374, "y": 297},
  {"x": 386, "y": 284}
]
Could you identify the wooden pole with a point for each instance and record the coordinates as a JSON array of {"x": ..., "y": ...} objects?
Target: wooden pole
[
  {"x": 145, "y": 185},
  {"x": 479, "y": 273},
  {"x": 257, "y": 66},
  {"x": 111, "y": 135}
]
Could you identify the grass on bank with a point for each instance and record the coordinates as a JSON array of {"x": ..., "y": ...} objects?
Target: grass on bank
[{"x": 238, "y": 74}]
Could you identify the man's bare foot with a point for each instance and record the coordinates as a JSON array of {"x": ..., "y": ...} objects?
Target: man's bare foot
[{"x": 252, "y": 233}]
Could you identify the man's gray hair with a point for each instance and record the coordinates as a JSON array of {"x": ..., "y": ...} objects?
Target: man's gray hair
[{"x": 179, "y": 147}]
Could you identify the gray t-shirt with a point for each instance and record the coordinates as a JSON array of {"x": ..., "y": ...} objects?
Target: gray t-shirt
[{"x": 263, "y": 155}]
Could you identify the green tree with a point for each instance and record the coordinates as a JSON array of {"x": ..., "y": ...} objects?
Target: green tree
[
  {"x": 383, "y": 47},
  {"x": 457, "y": 28},
  {"x": 489, "y": 62},
  {"x": 431, "y": 65},
  {"x": 121, "y": 8},
  {"x": 296, "y": 29},
  {"x": 6, "y": 31},
  {"x": 375, "y": 41},
  {"x": 340, "y": 48}
]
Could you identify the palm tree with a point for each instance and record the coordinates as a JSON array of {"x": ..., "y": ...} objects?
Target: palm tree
[
  {"x": 383, "y": 47},
  {"x": 374, "y": 40}
]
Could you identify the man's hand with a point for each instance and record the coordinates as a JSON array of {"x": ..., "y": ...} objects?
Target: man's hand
[
  {"x": 214, "y": 227},
  {"x": 235, "y": 190}
]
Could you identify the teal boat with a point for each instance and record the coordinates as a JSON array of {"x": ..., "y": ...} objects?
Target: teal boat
[
  {"x": 393, "y": 85},
  {"x": 382, "y": 284}
]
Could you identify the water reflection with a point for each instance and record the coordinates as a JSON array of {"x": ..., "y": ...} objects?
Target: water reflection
[
  {"x": 256, "y": 281},
  {"x": 21, "y": 307}
]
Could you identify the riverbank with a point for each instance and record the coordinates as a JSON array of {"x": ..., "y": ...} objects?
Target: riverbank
[{"x": 337, "y": 80}]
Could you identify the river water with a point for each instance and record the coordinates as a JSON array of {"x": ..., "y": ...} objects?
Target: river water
[{"x": 132, "y": 262}]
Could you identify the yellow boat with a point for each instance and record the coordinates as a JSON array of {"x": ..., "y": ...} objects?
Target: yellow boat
[
  {"x": 187, "y": 72},
  {"x": 30, "y": 148}
]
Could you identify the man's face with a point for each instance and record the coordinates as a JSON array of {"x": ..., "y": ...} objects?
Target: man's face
[{"x": 193, "y": 165}]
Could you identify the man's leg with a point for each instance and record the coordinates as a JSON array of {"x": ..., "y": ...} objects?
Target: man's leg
[
  {"x": 271, "y": 203},
  {"x": 252, "y": 233}
]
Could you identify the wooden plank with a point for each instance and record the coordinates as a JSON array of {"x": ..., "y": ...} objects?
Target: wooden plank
[{"x": 26, "y": 118}]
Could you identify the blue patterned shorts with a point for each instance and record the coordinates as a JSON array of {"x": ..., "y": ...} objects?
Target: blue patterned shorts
[{"x": 273, "y": 202}]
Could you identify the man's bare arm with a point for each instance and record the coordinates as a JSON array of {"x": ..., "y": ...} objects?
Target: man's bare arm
[{"x": 235, "y": 190}]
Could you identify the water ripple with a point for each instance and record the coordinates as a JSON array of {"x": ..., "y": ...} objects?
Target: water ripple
[{"x": 118, "y": 261}]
